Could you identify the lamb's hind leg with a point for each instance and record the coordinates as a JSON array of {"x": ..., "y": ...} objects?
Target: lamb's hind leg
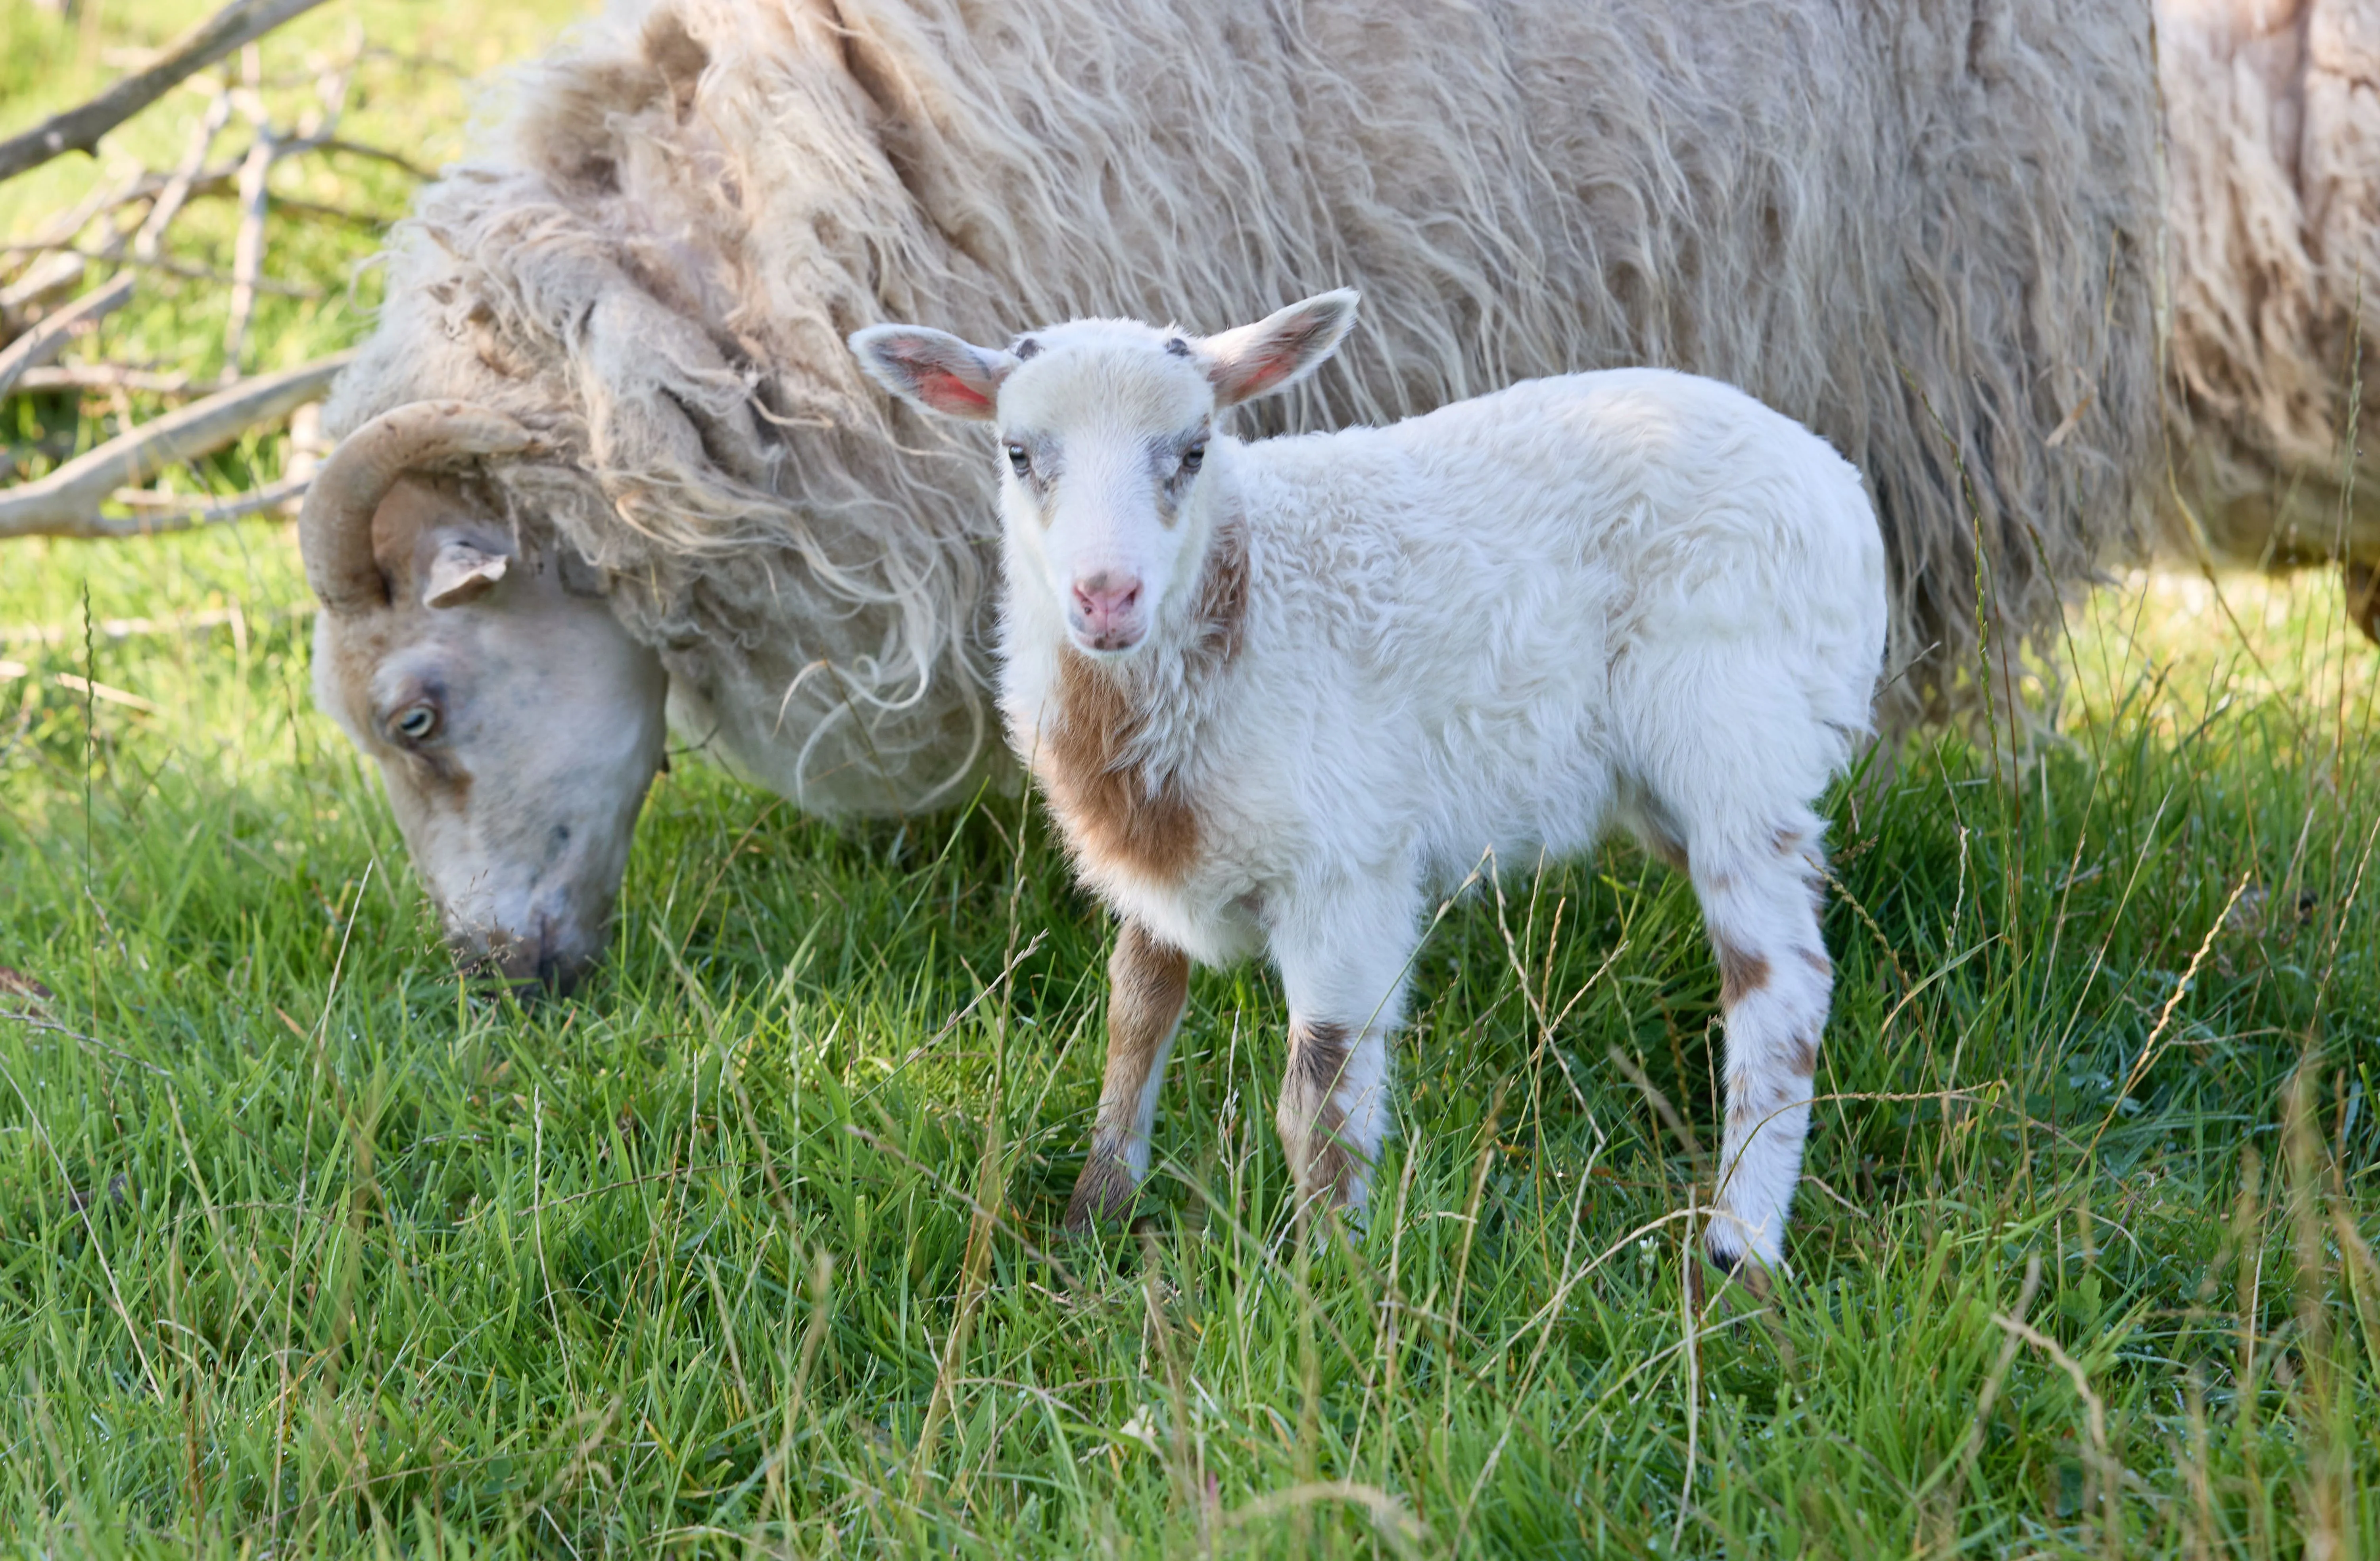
[
  {"x": 1342, "y": 957},
  {"x": 1760, "y": 907},
  {"x": 1148, "y": 987}
]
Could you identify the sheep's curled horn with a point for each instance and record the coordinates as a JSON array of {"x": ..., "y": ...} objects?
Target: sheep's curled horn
[{"x": 335, "y": 525}]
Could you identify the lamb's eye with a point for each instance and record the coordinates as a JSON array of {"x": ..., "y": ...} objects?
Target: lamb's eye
[
  {"x": 1193, "y": 457},
  {"x": 416, "y": 723},
  {"x": 1020, "y": 461}
]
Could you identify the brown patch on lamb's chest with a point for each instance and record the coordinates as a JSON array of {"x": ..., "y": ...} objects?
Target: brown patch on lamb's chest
[{"x": 1112, "y": 816}]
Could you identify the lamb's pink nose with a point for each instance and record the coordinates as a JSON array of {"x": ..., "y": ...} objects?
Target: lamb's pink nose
[{"x": 1107, "y": 611}]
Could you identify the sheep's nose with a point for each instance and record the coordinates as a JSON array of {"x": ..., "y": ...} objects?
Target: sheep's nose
[{"x": 1107, "y": 611}]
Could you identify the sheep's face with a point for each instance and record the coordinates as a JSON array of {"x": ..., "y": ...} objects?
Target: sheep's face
[
  {"x": 514, "y": 723},
  {"x": 1104, "y": 429}
]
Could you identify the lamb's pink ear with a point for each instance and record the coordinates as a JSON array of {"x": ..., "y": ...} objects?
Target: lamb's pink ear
[
  {"x": 933, "y": 369},
  {"x": 1279, "y": 350}
]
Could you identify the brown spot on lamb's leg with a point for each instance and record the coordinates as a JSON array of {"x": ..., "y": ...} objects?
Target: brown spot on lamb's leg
[
  {"x": 1775, "y": 985},
  {"x": 1741, "y": 972},
  {"x": 1148, "y": 987},
  {"x": 1312, "y": 1122}
]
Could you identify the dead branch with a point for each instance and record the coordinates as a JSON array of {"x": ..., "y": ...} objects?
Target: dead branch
[
  {"x": 180, "y": 511},
  {"x": 100, "y": 377},
  {"x": 147, "y": 244},
  {"x": 170, "y": 267},
  {"x": 79, "y": 129},
  {"x": 41, "y": 344},
  {"x": 106, "y": 198},
  {"x": 58, "y": 267},
  {"x": 248, "y": 248},
  {"x": 67, "y": 502},
  {"x": 377, "y": 154}
]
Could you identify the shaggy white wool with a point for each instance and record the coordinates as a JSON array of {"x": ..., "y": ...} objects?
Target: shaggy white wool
[
  {"x": 2273, "y": 145},
  {"x": 1923, "y": 231}
]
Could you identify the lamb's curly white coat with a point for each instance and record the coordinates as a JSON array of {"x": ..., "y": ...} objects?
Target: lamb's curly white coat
[{"x": 1481, "y": 635}]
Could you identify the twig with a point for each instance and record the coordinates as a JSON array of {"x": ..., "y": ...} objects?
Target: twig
[
  {"x": 248, "y": 248},
  {"x": 377, "y": 154},
  {"x": 180, "y": 511},
  {"x": 65, "y": 503},
  {"x": 148, "y": 243},
  {"x": 79, "y": 129},
  {"x": 76, "y": 258},
  {"x": 41, "y": 344},
  {"x": 59, "y": 267},
  {"x": 100, "y": 377}
]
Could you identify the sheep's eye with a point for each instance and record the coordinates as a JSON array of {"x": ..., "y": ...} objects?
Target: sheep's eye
[
  {"x": 1193, "y": 457},
  {"x": 416, "y": 723},
  {"x": 1020, "y": 461}
]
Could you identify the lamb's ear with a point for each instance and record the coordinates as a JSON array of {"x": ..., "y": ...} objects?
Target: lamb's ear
[
  {"x": 1279, "y": 350},
  {"x": 933, "y": 369}
]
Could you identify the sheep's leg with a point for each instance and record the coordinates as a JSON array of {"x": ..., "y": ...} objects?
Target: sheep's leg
[
  {"x": 1148, "y": 987},
  {"x": 1760, "y": 907},
  {"x": 1344, "y": 961}
]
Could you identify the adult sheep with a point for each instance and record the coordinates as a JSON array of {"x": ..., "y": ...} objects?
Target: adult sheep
[{"x": 605, "y": 442}]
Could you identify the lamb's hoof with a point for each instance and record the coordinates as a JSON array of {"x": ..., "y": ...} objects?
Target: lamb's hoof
[
  {"x": 1104, "y": 1193},
  {"x": 1740, "y": 1270}
]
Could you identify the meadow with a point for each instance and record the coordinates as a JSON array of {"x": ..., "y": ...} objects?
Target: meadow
[{"x": 309, "y": 1246}]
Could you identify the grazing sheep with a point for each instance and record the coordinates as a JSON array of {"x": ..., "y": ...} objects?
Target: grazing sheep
[
  {"x": 1925, "y": 229},
  {"x": 1283, "y": 693}
]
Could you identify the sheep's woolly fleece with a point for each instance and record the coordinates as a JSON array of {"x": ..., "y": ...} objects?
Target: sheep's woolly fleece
[
  {"x": 2273, "y": 139},
  {"x": 1923, "y": 236}
]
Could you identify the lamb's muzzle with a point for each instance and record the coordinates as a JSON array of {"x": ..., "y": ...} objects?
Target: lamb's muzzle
[{"x": 1103, "y": 611}]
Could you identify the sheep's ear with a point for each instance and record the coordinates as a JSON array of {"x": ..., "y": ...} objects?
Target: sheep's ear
[
  {"x": 462, "y": 572},
  {"x": 933, "y": 369},
  {"x": 1279, "y": 350}
]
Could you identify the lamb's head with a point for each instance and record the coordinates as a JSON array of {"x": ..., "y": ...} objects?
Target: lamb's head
[
  {"x": 515, "y": 723},
  {"x": 1106, "y": 429}
]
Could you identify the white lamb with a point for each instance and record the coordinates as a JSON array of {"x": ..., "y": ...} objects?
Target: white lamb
[{"x": 1284, "y": 694}]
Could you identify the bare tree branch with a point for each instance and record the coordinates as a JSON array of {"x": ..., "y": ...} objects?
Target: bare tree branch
[
  {"x": 378, "y": 154},
  {"x": 248, "y": 248},
  {"x": 170, "y": 267},
  {"x": 101, "y": 377},
  {"x": 178, "y": 512},
  {"x": 67, "y": 502},
  {"x": 79, "y": 129},
  {"x": 58, "y": 267},
  {"x": 42, "y": 343},
  {"x": 176, "y": 190}
]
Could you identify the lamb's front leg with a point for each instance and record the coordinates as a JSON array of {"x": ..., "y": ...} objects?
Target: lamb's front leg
[
  {"x": 1343, "y": 958},
  {"x": 1148, "y": 987}
]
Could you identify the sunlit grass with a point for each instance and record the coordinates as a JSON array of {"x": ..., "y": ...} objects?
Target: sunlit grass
[{"x": 304, "y": 1249}]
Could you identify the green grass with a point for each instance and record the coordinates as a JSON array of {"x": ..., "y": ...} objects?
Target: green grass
[{"x": 751, "y": 1246}]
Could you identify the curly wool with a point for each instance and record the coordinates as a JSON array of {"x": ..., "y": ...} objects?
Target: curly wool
[
  {"x": 2272, "y": 144},
  {"x": 1925, "y": 235}
]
